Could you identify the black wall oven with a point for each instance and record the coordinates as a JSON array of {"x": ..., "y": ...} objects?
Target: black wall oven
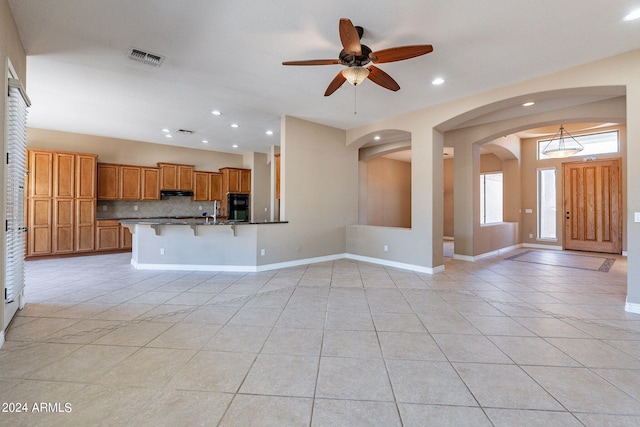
[{"x": 238, "y": 207}]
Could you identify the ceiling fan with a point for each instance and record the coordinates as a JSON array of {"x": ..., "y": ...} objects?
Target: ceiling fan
[{"x": 355, "y": 56}]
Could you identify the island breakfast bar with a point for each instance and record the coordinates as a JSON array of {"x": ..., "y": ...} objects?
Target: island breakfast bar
[{"x": 198, "y": 244}]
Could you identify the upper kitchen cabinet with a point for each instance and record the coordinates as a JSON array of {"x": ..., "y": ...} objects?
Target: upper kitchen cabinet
[
  {"x": 176, "y": 177},
  {"x": 236, "y": 180},
  {"x": 40, "y": 182},
  {"x": 130, "y": 183},
  {"x": 127, "y": 182},
  {"x": 207, "y": 186},
  {"x": 108, "y": 186},
  {"x": 150, "y": 183}
]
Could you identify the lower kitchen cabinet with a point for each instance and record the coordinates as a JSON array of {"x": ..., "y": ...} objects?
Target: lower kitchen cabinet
[{"x": 111, "y": 236}]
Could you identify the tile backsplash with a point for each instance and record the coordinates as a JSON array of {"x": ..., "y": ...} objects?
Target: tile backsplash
[{"x": 167, "y": 207}]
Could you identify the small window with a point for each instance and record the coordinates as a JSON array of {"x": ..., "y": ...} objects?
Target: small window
[
  {"x": 547, "y": 204},
  {"x": 593, "y": 143},
  {"x": 490, "y": 198}
]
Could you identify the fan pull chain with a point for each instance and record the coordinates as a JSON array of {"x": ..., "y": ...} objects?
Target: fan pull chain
[{"x": 355, "y": 99}]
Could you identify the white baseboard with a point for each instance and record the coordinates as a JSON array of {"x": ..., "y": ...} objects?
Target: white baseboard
[
  {"x": 539, "y": 246},
  {"x": 500, "y": 251},
  {"x": 287, "y": 264},
  {"x": 396, "y": 264},
  {"x": 632, "y": 307}
]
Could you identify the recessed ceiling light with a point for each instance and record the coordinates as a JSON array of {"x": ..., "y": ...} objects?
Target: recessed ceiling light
[
  {"x": 377, "y": 137},
  {"x": 269, "y": 132},
  {"x": 166, "y": 130},
  {"x": 216, "y": 112},
  {"x": 632, "y": 16},
  {"x": 234, "y": 125},
  {"x": 528, "y": 104},
  {"x": 168, "y": 135},
  {"x": 437, "y": 81},
  {"x": 204, "y": 141},
  {"x": 235, "y": 145}
]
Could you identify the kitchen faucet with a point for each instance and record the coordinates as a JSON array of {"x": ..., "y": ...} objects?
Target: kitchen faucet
[{"x": 214, "y": 216}]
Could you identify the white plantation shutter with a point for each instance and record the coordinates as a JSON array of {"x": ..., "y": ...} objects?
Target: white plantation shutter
[{"x": 17, "y": 104}]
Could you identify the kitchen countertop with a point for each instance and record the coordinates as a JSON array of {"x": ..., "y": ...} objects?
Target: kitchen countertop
[{"x": 189, "y": 221}]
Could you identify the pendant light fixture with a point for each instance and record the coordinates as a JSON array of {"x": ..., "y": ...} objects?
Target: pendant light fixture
[{"x": 562, "y": 145}]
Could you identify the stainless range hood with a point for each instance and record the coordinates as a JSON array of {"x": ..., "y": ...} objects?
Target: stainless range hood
[{"x": 167, "y": 193}]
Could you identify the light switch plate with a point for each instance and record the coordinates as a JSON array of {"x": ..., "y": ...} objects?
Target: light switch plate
[
  {"x": 636, "y": 216},
  {"x": 528, "y": 211}
]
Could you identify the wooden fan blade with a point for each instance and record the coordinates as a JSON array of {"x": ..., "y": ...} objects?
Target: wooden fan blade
[
  {"x": 383, "y": 79},
  {"x": 349, "y": 37},
  {"x": 400, "y": 53},
  {"x": 313, "y": 62},
  {"x": 335, "y": 84}
]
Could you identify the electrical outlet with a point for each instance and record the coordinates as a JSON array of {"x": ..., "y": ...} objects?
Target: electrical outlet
[
  {"x": 135, "y": 207},
  {"x": 530, "y": 236},
  {"x": 636, "y": 216},
  {"x": 262, "y": 252},
  {"x": 200, "y": 207},
  {"x": 386, "y": 248},
  {"x": 161, "y": 251},
  {"x": 104, "y": 207}
]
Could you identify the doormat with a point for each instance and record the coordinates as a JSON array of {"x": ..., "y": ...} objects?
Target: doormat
[{"x": 562, "y": 259}]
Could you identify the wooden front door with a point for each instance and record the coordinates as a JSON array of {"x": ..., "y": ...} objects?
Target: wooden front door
[{"x": 592, "y": 206}]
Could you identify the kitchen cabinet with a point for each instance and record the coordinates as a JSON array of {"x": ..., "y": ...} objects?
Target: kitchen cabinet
[
  {"x": 236, "y": 180},
  {"x": 215, "y": 186},
  {"x": 130, "y": 180},
  {"x": 150, "y": 187},
  {"x": 200, "y": 186},
  {"x": 112, "y": 236},
  {"x": 207, "y": 186},
  {"x": 175, "y": 176},
  {"x": 107, "y": 235},
  {"x": 61, "y": 197},
  {"x": 108, "y": 186}
]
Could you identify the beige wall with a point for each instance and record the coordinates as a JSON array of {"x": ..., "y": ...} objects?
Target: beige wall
[
  {"x": 387, "y": 199},
  {"x": 123, "y": 151},
  {"x": 448, "y": 198},
  {"x": 319, "y": 189},
  {"x": 11, "y": 51}
]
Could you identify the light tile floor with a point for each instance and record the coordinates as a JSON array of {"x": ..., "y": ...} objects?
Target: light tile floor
[{"x": 343, "y": 343}]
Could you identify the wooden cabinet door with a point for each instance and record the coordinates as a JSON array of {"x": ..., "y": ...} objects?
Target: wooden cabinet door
[
  {"x": 245, "y": 181},
  {"x": 126, "y": 240},
  {"x": 168, "y": 176},
  {"x": 201, "y": 186},
  {"x": 231, "y": 180},
  {"x": 185, "y": 177},
  {"x": 215, "y": 186},
  {"x": 64, "y": 174},
  {"x": 150, "y": 184},
  {"x": 107, "y": 181},
  {"x": 130, "y": 183},
  {"x": 39, "y": 228},
  {"x": 40, "y": 174},
  {"x": 107, "y": 235},
  {"x": 85, "y": 225},
  {"x": 86, "y": 176},
  {"x": 63, "y": 225}
]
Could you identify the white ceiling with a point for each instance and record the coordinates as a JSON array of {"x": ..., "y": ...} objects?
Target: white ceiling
[{"x": 227, "y": 55}]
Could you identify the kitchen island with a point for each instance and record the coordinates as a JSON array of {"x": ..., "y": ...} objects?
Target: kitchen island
[{"x": 199, "y": 244}]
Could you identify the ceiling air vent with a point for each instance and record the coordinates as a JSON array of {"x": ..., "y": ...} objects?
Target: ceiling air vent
[
  {"x": 146, "y": 57},
  {"x": 185, "y": 131}
]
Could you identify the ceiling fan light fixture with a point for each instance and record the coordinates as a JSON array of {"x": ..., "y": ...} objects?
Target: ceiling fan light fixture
[
  {"x": 560, "y": 146},
  {"x": 355, "y": 74}
]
